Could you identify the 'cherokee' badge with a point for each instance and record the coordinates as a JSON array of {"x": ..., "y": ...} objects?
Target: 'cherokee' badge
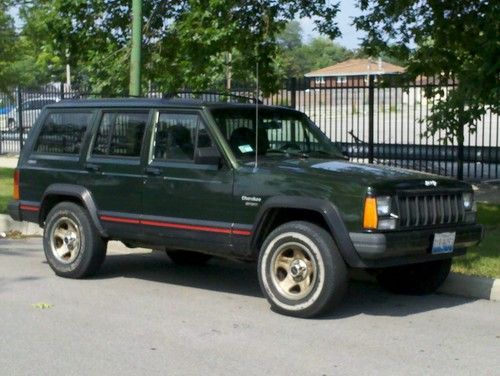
[{"x": 251, "y": 200}]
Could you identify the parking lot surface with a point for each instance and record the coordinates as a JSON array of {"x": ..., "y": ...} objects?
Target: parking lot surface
[{"x": 144, "y": 315}]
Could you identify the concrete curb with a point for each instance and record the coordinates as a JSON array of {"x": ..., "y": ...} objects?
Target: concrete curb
[
  {"x": 472, "y": 287},
  {"x": 456, "y": 284},
  {"x": 26, "y": 228}
]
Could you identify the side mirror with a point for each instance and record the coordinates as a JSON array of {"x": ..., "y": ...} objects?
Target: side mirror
[{"x": 207, "y": 156}]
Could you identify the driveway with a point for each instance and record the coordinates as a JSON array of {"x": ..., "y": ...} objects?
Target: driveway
[{"x": 144, "y": 315}]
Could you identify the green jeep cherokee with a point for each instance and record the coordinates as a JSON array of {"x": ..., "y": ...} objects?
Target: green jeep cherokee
[{"x": 199, "y": 179}]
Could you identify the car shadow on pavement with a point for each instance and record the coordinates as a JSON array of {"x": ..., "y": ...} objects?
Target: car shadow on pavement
[
  {"x": 241, "y": 278},
  {"x": 217, "y": 275}
]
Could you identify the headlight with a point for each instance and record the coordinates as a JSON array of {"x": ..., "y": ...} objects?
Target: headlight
[
  {"x": 384, "y": 205},
  {"x": 377, "y": 214},
  {"x": 469, "y": 203},
  {"x": 387, "y": 224}
]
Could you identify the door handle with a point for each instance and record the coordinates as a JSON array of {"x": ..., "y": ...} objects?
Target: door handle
[
  {"x": 153, "y": 171},
  {"x": 92, "y": 167}
]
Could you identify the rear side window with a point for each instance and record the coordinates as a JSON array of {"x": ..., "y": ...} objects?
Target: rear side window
[
  {"x": 120, "y": 134},
  {"x": 63, "y": 132}
]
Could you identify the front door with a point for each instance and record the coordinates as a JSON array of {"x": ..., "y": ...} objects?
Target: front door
[{"x": 187, "y": 204}]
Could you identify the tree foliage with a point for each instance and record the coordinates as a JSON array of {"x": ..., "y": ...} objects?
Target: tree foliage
[
  {"x": 7, "y": 48},
  {"x": 447, "y": 40},
  {"x": 185, "y": 41}
]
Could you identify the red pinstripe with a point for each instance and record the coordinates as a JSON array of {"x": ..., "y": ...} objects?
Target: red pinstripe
[
  {"x": 29, "y": 208},
  {"x": 175, "y": 225}
]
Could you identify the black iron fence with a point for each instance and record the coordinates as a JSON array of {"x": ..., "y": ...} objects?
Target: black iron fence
[{"x": 370, "y": 121}]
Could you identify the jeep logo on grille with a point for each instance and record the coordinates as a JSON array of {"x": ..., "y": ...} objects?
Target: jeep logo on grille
[{"x": 431, "y": 183}]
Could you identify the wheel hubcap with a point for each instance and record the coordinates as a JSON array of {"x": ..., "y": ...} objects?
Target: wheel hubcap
[
  {"x": 293, "y": 271},
  {"x": 65, "y": 240}
]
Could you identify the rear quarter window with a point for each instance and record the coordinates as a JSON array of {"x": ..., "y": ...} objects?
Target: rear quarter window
[{"x": 63, "y": 132}]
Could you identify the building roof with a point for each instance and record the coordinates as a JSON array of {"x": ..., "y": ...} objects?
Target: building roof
[{"x": 357, "y": 67}]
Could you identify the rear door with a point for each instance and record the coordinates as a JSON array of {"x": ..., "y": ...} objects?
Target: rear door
[
  {"x": 189, "y": 205},
  {"x": 115, "y": 175}
]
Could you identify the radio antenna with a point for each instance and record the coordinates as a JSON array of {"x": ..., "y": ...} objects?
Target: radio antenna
[{"x": 256, "y": 113}]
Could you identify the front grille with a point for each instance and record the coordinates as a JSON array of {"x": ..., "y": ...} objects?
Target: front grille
[{"x": 430, "y": 209}]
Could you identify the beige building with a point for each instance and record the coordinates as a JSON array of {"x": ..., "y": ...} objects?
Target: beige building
[{"x": 352, "y": 72}]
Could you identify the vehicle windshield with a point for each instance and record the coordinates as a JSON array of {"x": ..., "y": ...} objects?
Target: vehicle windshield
[{"x": 281, "y": 133}]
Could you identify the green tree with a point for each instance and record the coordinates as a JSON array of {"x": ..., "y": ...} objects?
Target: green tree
[
  {"x": 185, "y": 41},
  {"x": 7, "y": 48},
  {"x": 446, "y": 40},
  {"x": 291, "y": 37}
]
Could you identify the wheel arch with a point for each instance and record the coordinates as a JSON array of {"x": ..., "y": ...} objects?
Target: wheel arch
[
  {"x": 318, "y": 211},
  {"x": 57, "y": 193}
]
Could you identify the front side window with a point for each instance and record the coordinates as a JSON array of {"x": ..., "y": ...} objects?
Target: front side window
[
  {"x": 62, "y": 133},
  {"x": 120, "y": 134},
  {"x": 178, "y": 135},
  {"x": 280, "y": 133}
]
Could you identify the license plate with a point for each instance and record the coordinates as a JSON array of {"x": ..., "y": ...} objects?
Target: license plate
[{"x": 443, "y": 242}]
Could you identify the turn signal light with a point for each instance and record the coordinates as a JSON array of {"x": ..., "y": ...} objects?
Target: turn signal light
[
  {"x": 15, "y": 193},
  {"x": 370, "y": 218}
]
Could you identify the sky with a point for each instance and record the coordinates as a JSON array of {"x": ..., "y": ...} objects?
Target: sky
[{"x": 350, "y": 36}]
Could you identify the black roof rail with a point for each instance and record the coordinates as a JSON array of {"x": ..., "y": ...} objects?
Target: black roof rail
[{"x": 211, "y": 96}]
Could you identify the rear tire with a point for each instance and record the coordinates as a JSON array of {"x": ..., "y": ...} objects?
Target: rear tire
[
  {"x": 72, "y": 244},
  {"x": 188, "y": 257},
  {"x": 415, "y": 279},
  {"x": 300, "y": 269}
]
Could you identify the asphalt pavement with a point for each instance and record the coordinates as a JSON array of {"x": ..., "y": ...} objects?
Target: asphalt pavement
[{"x": 144, "y": 315}]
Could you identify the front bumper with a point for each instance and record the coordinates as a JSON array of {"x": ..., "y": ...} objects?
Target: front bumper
[{"x": 399, "y": 247}]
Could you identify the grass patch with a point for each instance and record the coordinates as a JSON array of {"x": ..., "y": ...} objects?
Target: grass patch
[
  {"x": 483, "y": 259},
  {"x": 6, "y": 181}
]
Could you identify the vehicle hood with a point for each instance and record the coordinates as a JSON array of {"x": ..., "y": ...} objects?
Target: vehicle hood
[{"x": 380, "y": 178}]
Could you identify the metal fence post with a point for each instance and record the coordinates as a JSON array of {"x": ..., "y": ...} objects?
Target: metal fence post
[
  {"x": 19, "y": 100},
  {"x": 62, "y": 90},
  {"x": 293, "y": 92},
  {"x": 460, "y": 154},
  {"x": 371, "y": 84}
]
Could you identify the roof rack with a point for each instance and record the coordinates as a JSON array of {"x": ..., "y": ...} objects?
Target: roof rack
[{"x": 211, "y": 96}]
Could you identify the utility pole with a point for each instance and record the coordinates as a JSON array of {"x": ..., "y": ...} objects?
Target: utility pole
[
  {"x": 135, "y": 55},
  {"x": 229, "y": 70}
]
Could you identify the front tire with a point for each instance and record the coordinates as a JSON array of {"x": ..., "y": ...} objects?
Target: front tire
[
  {"x": 415, "y": 279},
  {"x": 300, "y": 269},
  {"x": 72, "y": 244}
]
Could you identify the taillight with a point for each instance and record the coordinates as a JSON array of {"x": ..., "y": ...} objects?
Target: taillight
[
  {"x": 370, "y": 216},
  {"x": 15, "y": 194}
]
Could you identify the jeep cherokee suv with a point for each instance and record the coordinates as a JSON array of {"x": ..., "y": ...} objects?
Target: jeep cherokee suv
[{"x": 203, "y": 179}]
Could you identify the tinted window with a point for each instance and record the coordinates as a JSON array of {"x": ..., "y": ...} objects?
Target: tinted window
[
  {"x": 62, "y": 133},
  {"x": 177, "y": 135},
  {"x": 120, "y": 133}
]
